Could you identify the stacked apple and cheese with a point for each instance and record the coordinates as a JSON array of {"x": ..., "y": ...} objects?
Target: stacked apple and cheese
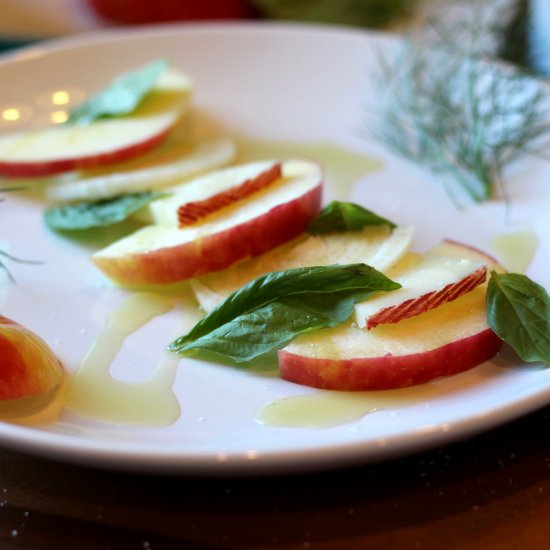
[
  {"x": 61, "y": 148},
  {"x": 211, "y": 222},
  {"x": 434, "y": 325}
]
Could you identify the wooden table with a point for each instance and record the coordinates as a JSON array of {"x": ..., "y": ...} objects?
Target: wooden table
[{"x": 488, "y": 492}]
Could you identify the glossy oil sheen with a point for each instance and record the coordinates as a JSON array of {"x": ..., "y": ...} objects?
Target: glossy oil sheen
[
  {"x": 343, "y": 167},
  {"x": 516, "y": 249},
  {"x": 325, "y": 409},
  {"x": 94, "y": 393}
]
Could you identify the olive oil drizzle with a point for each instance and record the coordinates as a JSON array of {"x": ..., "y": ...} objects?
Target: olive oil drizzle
[
  {"x": 343, "y": 167},
  {"x": 516, "y": 249},
  {"x": 325, "y": 409},
  {"x": 94, "y": 393}
]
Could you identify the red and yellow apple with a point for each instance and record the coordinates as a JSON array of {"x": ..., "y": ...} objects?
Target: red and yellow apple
[
  {"x": 171, "y": 164},
  {"x": 427, "y": 282},
  {"x": 56, "y": 149},
  {"x": 145, "y": 11},
  {"x": 28, "y": 366},
  {"x": 442, "y": 341},
  {"x": 166, "y": 253}
]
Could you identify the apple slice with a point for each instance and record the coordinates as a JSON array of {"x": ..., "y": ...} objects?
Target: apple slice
[
  {"x": 376, "y": 246},
  {"x": 427, "y": 282},
  {"x": 56, "y": 149},
  {"x": 449, "y": 270},
  {"x": 449, "y": 339},
  {"x": 275, "y": 214},
  {"x": 202, "y": 196},
  {"x": 28, "y": 367},
  {"x": 202, "y": 158}
]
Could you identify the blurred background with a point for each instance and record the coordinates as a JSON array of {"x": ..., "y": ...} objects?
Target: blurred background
[
  {"x": 521, "y": 25},
  {"x": 21, "y": 20}
]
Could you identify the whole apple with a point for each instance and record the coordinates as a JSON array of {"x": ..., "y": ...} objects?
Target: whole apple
[
  {"x": 145, "y": 11},
  {"x": 28, "y": 367}
]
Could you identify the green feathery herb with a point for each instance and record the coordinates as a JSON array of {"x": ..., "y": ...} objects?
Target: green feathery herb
[{"x": 452, "y": 108}]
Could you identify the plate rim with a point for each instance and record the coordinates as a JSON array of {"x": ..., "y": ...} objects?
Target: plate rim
[{"x": 111, "y": 455}]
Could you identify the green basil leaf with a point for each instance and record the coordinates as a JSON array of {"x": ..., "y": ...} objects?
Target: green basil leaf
[
  {"x": 518, "y": 311},
  {"x": 87, "y": 215},
  {"x": 270, "y": 311},
  {"x": 345, "y": 216},
  {"x": 121, "y": 97}
]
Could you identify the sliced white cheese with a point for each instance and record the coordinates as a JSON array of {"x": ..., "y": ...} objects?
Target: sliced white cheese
[
  {"x": 376, "y": 246},
  {"x": 204, "y": 157},
  {"x": 420, "y": 276}
]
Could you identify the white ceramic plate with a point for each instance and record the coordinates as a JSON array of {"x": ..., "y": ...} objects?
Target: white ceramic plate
[{"x": 306, "y": 84}]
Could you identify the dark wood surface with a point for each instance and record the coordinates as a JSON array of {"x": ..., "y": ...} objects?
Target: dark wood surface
[{"x": 489, "y": 492}]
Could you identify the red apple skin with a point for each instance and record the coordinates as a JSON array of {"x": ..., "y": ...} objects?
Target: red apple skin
[
  {"x": 28, "y": 367},
  {"x": 191, "y": 212},
  {"x": 390, "y": 371},
  {"x": 58, "y": 166},
  {"x": 147, "y": 11},
  {"x": 416, "y": 306},
  {"x": 219, "y": 250}
]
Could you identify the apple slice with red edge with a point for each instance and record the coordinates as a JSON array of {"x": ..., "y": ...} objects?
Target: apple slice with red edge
[
  {"x": 427, "y": 282},
  {"x": 204, "y": 195},
  {"x": 28, "y": 366},
  {"x": 277, "y": 212},
  {"x": 443, "y": 341},
  {"x": 159, "y": 171},
  {"x": 55, "y": 149}
]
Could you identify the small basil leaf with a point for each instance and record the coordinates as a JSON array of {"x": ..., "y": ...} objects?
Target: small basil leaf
[
  {"x": 518, "y": 311},
  {"x": 87, "y": 215},
  {"x": 269, "y": 312},
  {"x": 345, "y": 216},
  {"x": 121, "y": 97}
]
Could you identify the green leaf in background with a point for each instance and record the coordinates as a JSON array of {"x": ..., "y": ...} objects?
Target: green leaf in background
[
  {"x": 345, "y": 216},
  {"x": 87, "y": 215},
  {"x": 3, "y": 254},
  {"x": 121, "y": 97},
  {"x": 267, "y": 313},
  {"x": 10, "y": 189},
  {"x": 518, "y": 311},
  {"x": 367, "y": 13}
]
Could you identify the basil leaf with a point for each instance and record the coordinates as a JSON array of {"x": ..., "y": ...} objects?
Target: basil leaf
[
  {"x": 518, "y": 311},
  {"x": 270, "y": 311},
  {"x": 345, "y": 216},
  {"x": 121, "y": 97},
  {"x": 87, "y": 215}
]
